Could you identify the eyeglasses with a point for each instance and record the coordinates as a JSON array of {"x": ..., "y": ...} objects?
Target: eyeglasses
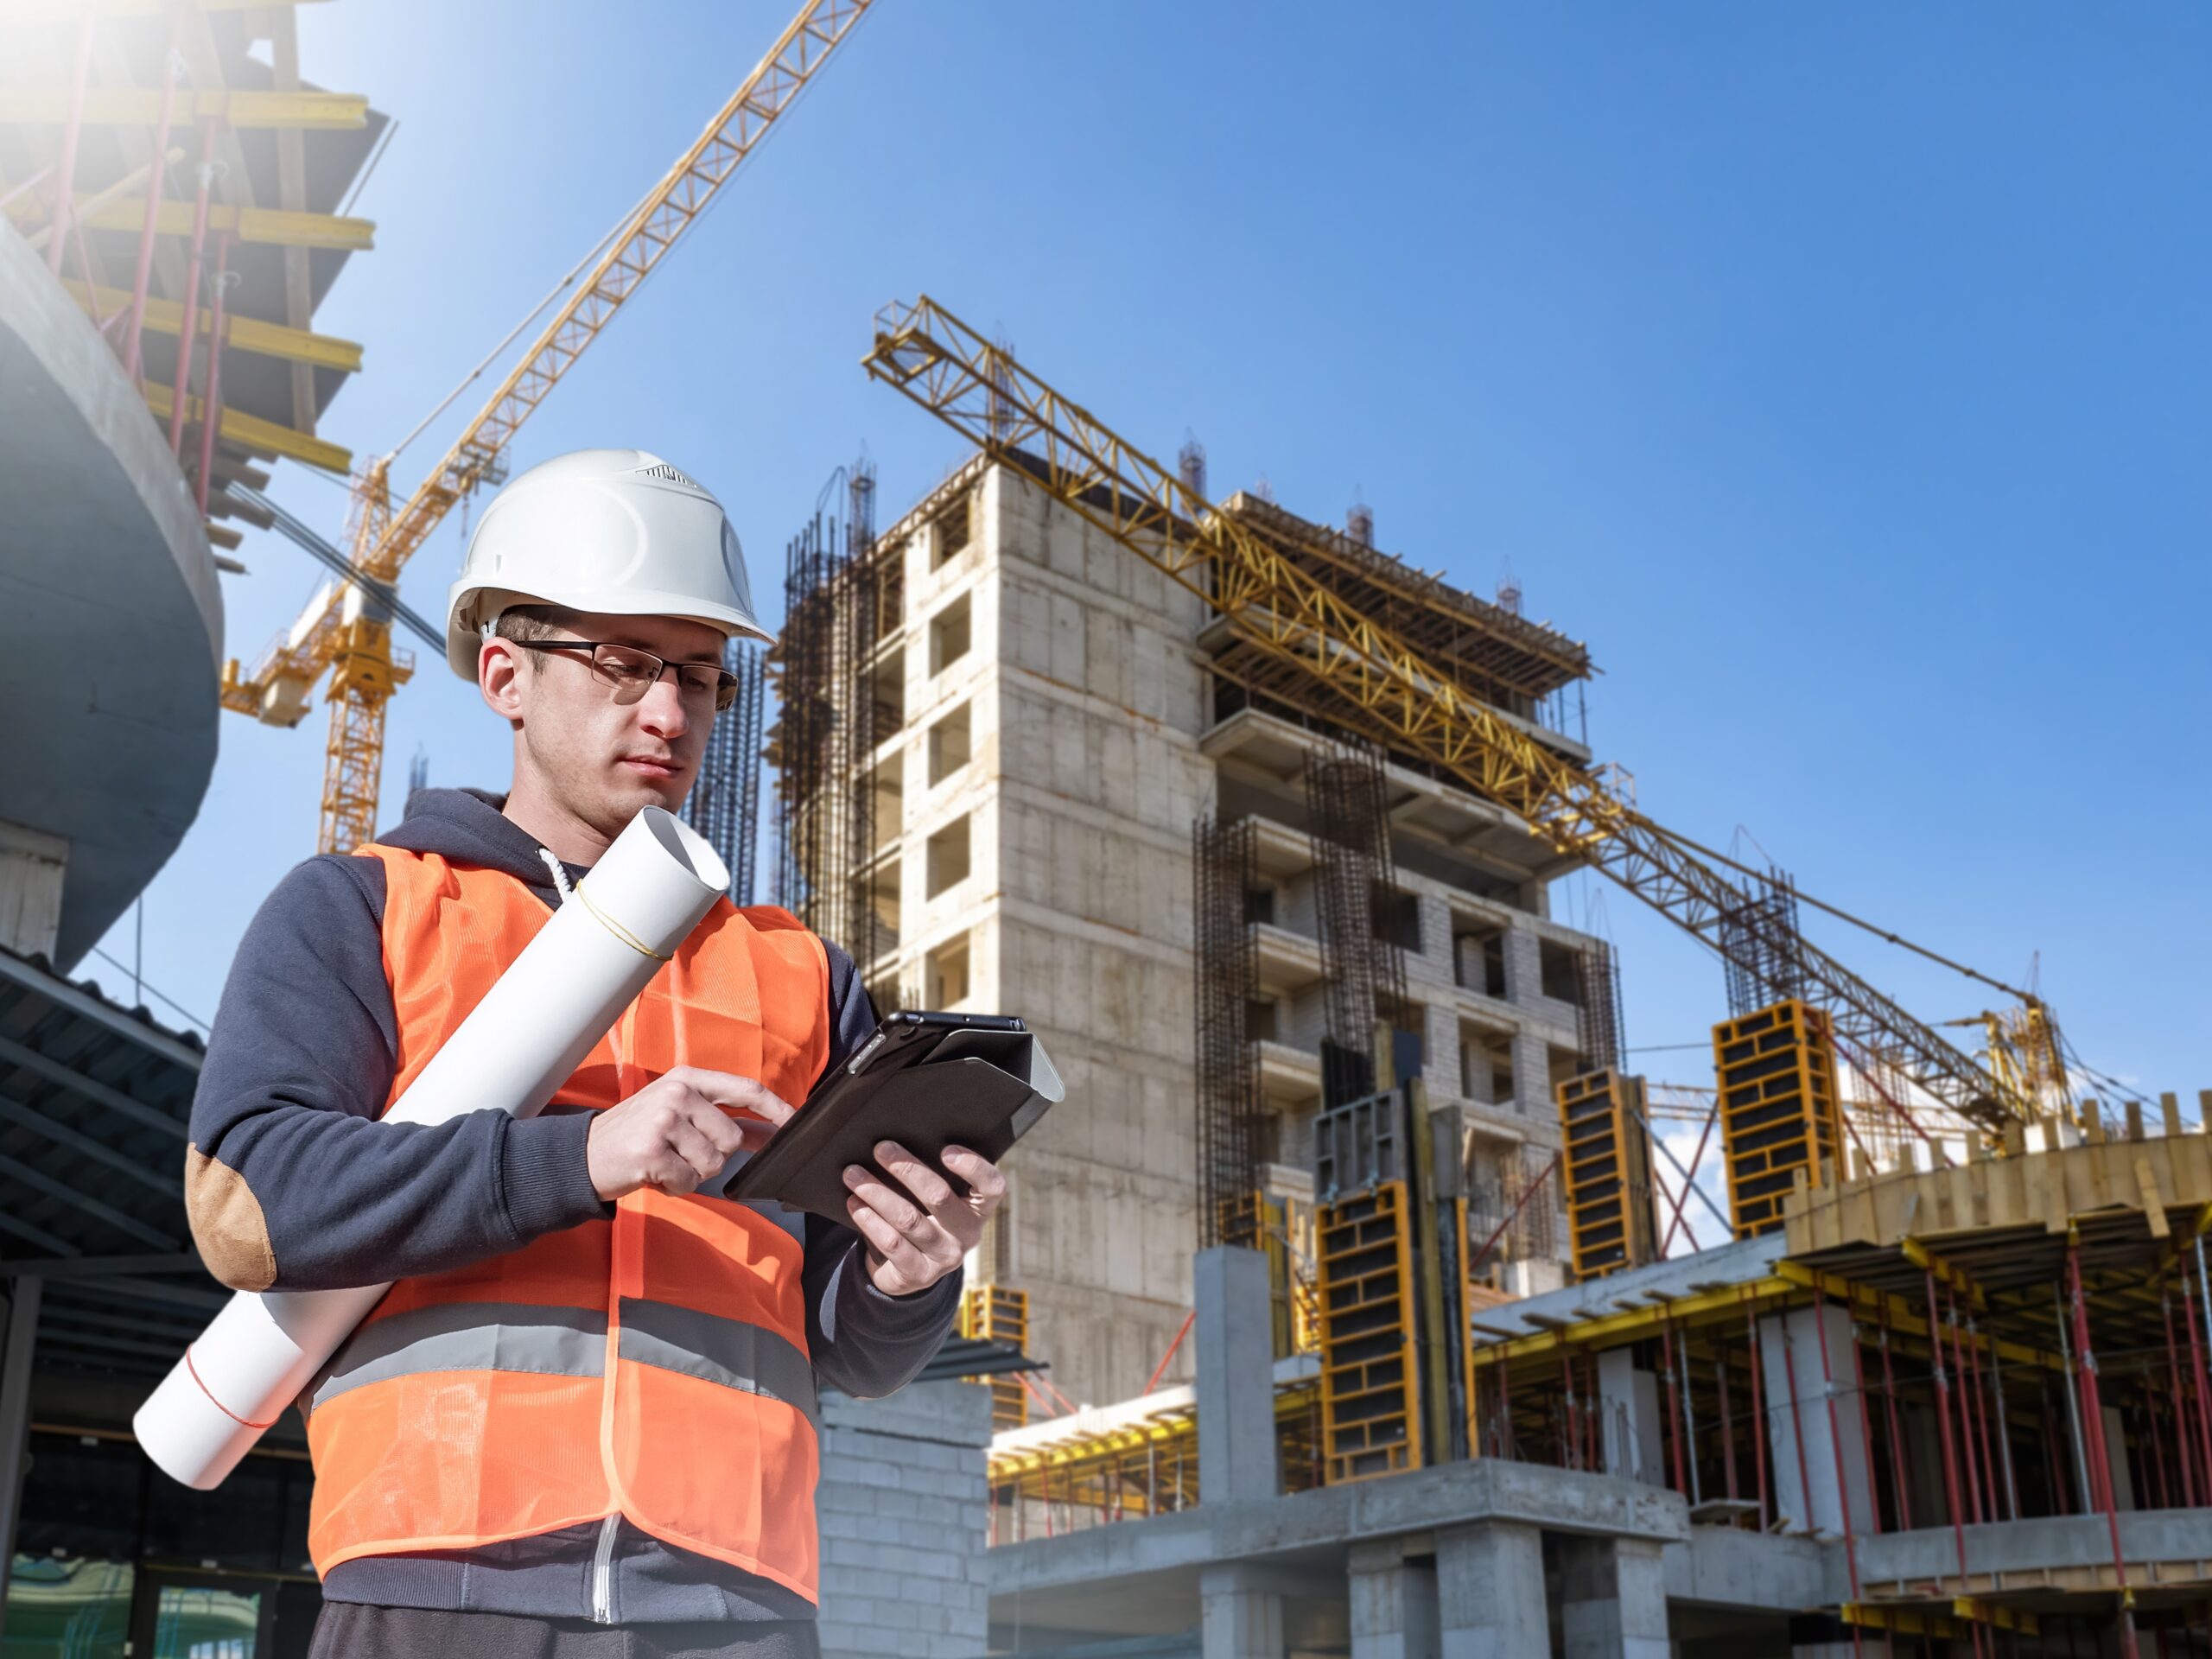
[{"x": 630, "y": 672}]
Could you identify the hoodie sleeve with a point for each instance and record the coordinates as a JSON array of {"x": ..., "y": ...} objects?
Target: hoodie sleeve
[
  {"x": 291, "y": 1182},
  {"x": 864, "y": 1343}
]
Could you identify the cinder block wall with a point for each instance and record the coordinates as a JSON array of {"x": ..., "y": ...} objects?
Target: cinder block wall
[{"x": 904, "y": 1515}]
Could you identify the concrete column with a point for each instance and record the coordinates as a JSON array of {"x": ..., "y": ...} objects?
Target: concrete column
[
  {"x": 1628, "y": 1397},
  {"x": 1235, "y": 1388},
  {"x": 15, "y": 1414},
  {"x": 1532, "y": 1077},
  {"x": 1524, "y": 967},
  {"x": 1393, "y": 1601},
  {"x": 1790, "y": 1344},
  {"x": 1614, "y": 1598},
  {"x": 1490, "y": 1593},
  {"x": 1239, "y": 1615}
]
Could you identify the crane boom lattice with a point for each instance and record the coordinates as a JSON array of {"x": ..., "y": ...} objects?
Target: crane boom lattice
[
  {"x": 1353, "y": 672},
  {"x": 332, "y": 633}
]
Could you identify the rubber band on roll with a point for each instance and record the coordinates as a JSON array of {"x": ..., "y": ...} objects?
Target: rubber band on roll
[{"x": 616, "y": 928}]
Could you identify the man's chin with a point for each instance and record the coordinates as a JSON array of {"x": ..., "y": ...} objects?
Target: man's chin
[{"x": 632, "y": 792}]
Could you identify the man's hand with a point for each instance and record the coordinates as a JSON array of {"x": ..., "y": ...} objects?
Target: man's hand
[
  {"x": 674, "y": 1132},
  {"x": 910, "y": 1248}
]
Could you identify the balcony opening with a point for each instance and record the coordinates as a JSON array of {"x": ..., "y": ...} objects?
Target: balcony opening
[
  {"x": 1478, "y": 961},
  {"x": 950, "y": 745},
  {"x": 950, "y": 632},
  {"x": 952, "y": 531},
  {"x": 944, "y": 974},
  {"x": 946, "y": 858}
]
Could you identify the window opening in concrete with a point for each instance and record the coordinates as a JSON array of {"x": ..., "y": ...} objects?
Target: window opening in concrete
[
  {"x": 947, "y": 857},
  {"x": 950, "y": 745},
  {"x": 944, "y": 974},
  {"x": 1561, "y": 981},
  {"x": 887, "y": 686},
  {"x": 889, "y": 813},
  {"x": 950, "y": 633},
  {"x": 952, "y": 531},
  {"x": 1260, "y": 1021},
  {"x": 1486, "y": 1067},
  {"x": 1260, "y": 905},
  {"x": 1478, "y": 960},
  {"x": 1397, "y": 917}
]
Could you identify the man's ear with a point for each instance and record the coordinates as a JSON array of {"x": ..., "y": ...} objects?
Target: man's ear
[{"x": 500, "y": 674}]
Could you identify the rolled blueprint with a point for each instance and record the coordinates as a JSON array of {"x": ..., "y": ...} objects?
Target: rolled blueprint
[{"x": 532, "y": 1029}]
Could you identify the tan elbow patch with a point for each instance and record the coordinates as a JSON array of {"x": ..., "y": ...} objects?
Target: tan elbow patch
[{"x": 227, "y": 1224}]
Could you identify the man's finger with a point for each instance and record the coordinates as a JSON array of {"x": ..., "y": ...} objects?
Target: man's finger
[
  {"x": 696, "y": 1147},
  {"x": 725, "y": 1132},
  {"x": 928, "y": 1188},
  {"x": 749, "y": 1094},
  {"x": 899, "y": 1212},
  {"x": 887, "y": 1240},
  {"x": 985, "y": 1179}
]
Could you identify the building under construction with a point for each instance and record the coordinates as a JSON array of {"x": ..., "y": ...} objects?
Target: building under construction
[
  {"x": 1017, "y": 771},
  {"x": 1947, "y": 1390}
]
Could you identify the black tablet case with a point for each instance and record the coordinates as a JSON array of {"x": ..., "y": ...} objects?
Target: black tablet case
[{"x": 978, "y": 1088}]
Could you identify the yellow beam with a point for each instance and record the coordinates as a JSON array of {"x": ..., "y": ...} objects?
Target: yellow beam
[
  {"x": 1905, "y": 1317},
  {"x": 130, "y": 106},
  {"x": 253, "y": 433},
  {"x": 1928, "y": 1261},
  {"x": 269, "y": 225},
  {"x": 242, "y": 333}
]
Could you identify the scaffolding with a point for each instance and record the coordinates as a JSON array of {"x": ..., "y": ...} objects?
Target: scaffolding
[
  {"x": 725, "y": 801},
  {"x": 1226, "y": 974},
  {"x": 839, "y": 696},
  {"x": 1000, "y": 1313},
  {"x": 1363, "y": 974}
]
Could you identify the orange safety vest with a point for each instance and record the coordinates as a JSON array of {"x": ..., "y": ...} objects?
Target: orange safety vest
[{"x": 653, "y": 1365}]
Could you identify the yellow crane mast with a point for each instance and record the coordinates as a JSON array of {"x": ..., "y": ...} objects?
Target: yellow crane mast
[
  {"x": 346, "y": 631},
  {"x": 1344, "y": 667}
]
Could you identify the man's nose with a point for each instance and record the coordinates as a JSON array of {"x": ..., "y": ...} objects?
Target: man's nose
[{"x": 661, "y": 710}]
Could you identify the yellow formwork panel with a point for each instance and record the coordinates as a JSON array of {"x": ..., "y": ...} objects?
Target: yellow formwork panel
[
  {"x": 1605, "y": 1154},
  {"x": 1779, "y": 1111},
  {"x": 1000, "y": 1313},
  {"x": 1370, "y": 1401}
]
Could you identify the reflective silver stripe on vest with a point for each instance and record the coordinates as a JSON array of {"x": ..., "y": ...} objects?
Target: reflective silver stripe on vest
[
  {"x": 716, "y": 1350},
  {"x": 469, "y": 1337}
]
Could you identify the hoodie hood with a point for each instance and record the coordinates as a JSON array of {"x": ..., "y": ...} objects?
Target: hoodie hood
[{"x": 467, "y": 826}]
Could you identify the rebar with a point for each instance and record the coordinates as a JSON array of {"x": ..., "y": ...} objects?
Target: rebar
[
  {"x": 1226, "y": 974},
  {"x": 1364, "y": 974}
]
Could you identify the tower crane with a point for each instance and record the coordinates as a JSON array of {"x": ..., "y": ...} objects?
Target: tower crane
[
  {"x": 1344, "y": 667},
  {"x": 347, "y": 628}
]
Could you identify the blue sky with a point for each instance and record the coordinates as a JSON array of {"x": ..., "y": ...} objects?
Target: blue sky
[{"x": 1839, "y": 374}]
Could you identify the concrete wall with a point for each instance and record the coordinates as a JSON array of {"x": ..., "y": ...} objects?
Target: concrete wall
[
  {"x": 1085, "y": 699},
  {"x": 903, "y": 1509}
]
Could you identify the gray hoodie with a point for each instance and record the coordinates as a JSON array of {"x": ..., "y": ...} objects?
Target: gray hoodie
[{"x": 292, "y": 1184}]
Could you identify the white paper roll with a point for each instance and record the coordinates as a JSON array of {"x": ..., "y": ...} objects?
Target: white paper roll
[{"x": 532, "y": 1029}]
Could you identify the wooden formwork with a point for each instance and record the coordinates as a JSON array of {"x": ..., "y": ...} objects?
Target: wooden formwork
[
  {"x": 1370, "y": 1394},
  {"x": 1606, "y": 1157},
  {"x": 1779, "y": 1110}
]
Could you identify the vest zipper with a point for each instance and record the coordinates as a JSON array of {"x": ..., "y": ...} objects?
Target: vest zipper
[{"x": 602, "y": 1572}]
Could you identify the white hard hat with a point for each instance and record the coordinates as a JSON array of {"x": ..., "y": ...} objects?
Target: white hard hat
[{"x": 618, "y": 532}]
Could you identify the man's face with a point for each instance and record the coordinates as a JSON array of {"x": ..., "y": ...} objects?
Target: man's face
[{"x": 604, "y": 761}]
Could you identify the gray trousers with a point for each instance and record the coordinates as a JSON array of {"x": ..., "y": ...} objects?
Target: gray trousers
[{"x": 353, "y": 1630}]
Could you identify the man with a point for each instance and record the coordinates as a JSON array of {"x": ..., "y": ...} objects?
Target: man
[{"x": 582, "y": 1423}]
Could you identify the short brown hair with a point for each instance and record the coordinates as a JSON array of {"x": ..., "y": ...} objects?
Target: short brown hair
[{"x": 523, "y": 623}]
